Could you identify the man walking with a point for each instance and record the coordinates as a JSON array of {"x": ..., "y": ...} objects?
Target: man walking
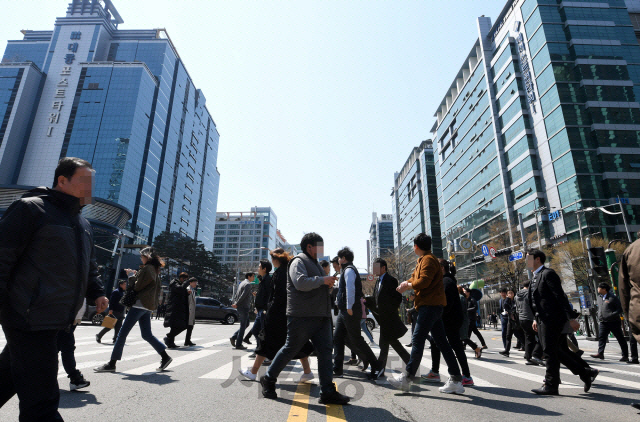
[
  {"x": 47, "y": 267},
  {"x": 116, "y": 309},
  {"x": 242, "y": 302},
  {"x": 191, "y": 302},
  {"x": 427, "y": 281},
  {"x": 532, "y": 348},
  {"x": 504, "y": 305},
  {"x": 308, "y": 318},
  {"x": 629, "y": 290},
  {"x": 177, "y": 316},
  {"x": 472, "y": 311},
  {"x": 262, "y": 300},
  {"x": 609, "y": 313}
]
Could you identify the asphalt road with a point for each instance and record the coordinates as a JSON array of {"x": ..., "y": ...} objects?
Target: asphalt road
[{"x": 202, "y": 384}]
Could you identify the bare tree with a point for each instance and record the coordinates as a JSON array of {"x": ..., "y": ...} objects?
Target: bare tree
[{"x": 400, "y": 265}]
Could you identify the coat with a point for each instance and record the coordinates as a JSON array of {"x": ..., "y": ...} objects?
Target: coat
[
  {"x": 548, "y": 300},
  {"x": 307, "y": 295},
  {"x": 177, "y": 315},
  {"x": 464, "y": 327},
  {"x": 629, "y": 286},
  {"x": 192, "y": 306},
  {"x": 384, "y": 305},
  {"x": 426, "y": 280},
  {"x": 452, "y": 314},
  {"x": 148, "y": 285}
]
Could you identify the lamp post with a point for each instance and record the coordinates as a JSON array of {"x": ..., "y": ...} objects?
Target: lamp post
[
  {"x": 624, "y": 218},
  {"x": 235, "y": 285}
]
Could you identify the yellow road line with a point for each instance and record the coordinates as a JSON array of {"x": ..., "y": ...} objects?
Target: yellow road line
[
  {"x": 300, "y": 403},
  {"x": 335, "y": 412}
]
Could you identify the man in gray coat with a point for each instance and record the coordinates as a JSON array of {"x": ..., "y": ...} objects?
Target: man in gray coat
[
  {"x": 532, "y": 348},
  {"x": 308, "y": 318},
  {"x": 242, "y": 302}
]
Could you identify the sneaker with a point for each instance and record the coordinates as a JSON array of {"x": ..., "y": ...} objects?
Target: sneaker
[
  {"x": 248, "y": 374},
  {"x": 467, "y": 382},
  {"x": 78, "y": 382},
  {"x": 333, "y": 398},
  {"x": 307, "y": 377},
  {"x": 105, "y": 368},
  {"x": 452, "y": 387},
  {"x": 401, "y": 382},
  {"x": 433, "y": 377},
  {"x": 268, "y": 387},
  {"x": 164, "y": 363},
  {"x": 98, "y": 339}
]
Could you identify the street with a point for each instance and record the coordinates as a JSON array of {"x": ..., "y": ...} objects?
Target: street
[{"x": 203, "y": 383}]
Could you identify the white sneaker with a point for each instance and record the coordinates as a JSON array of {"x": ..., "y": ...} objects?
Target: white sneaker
[
  {"x": 307, "y": 377},
  {"x": 401, "y": 382},
  {"x": 452, "y": 387},
  {"x": 248, "y": 374}
]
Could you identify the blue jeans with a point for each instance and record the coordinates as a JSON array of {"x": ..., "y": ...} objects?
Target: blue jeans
[
  {"x": 430, "y": 321},
  {"x": 143, "y": 317},
  {"x": 504, "y": 321},
  {"x": 365, "y": 329},
  {"x": 243, "y": 316},
  {"x": 299, "y": 331}
]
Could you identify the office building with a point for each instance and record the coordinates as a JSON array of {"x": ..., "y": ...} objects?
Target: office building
[{"x": 380, "y": 241}]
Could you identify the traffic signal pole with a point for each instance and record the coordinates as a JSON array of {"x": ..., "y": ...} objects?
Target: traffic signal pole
[{"x": 595, "y": 290}]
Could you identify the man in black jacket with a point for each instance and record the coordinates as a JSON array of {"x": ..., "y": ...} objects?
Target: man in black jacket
[
  {"x": 472, "y": 312},
  {"x": 261, "y": 301},
  {"x": 554, "y": 316},
  {"x": 116, "y": 309},
  {"x": 47, "y": 267},
  {"x": 609, "y": 312},
  {"x": 177, "y": 316}
]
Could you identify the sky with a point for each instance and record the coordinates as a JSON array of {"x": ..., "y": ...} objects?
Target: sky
[{"x": 317, "y": 103}]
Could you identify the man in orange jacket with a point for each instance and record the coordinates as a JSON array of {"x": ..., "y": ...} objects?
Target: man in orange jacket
[{"x": 430, "y": 301}]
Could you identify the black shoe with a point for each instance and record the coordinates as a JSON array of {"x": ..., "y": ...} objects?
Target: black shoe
[
  {"x": 246, "y": 340},
  {"x": 241, "y": 347},
  {"x": 268, "y": 387},
  {"x": 252, "y": 355},
  {"x": 634, "y": 361},
  {"x": 531, "y": 362},
  {"x": 189, "y": 344},
  {"x": 170, "y": 344},
  {"x": 266, "y": 362},
  {"x": 580, "y": 352},
  {"x": 375, "y": 374},
  {"x": 635, "y": 405},
  {"x": 588, "y": 378},
  {"x": 334, "y": 398},
  {"x": 338, "y": 373},
  {"x": 105, "y": 368},
  {"x": 98, "y": 339},
  {"x": 233, "y": 341},
  {"x": 365, "y": 365},
  {"x": 546, "y": 390},
  {"x": 164, "y": 362},
  {"x": 353, "y": 362},
  {"x": 624, "y": 359},
  {"x": 409, "y": 345},
  {"x": 504, "y": 353},
  {"x": 537, "y": 361},
  {"x": 78, "y": 382},
  {"x": 598, "y": 356},
  {"x": 484, "y": 346}
]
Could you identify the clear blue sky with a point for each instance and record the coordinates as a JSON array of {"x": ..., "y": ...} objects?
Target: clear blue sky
[{"x": 317, "y": 103}]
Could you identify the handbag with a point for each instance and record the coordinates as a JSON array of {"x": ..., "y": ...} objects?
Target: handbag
[
  {"x": 129, "y": 298},
  {"x": 109, "y": 321}
]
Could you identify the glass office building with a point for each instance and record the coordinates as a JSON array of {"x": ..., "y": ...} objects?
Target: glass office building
[
  {"x": 124, "y": 101},
  {"x": 542, "y": 118},
  {"x": 380, "y": 237}
]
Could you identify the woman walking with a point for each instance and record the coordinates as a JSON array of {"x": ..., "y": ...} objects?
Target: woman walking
[
  {"x": 146, "y": 283},
  {"x": 275, "y": 322}
]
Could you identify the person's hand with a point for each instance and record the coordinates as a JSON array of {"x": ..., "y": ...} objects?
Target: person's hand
[
  {"x": 350, "y": 311},
  {"x": 330, "y": 280},
  {"x": 234, "y": 306},
  {"x": 130, "y": 272},
  {"x": 403, "y": 287},
  {"x": 575, "y": 325},
  {"x": 110, "y": 312},
  {"x": 535, "y": 326},
  {"x": 254, "y": 293},
  {"x": 101, "y": 304}
]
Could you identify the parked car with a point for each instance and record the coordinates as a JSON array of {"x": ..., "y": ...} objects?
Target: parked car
[
  {"x": 210, "y": 308},
  {"x": 91, "y": 315}
]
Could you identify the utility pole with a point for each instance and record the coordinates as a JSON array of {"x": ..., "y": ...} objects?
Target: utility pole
[
  {"x": 524, "y": 242},
  {"x": 624, "y": 219}
]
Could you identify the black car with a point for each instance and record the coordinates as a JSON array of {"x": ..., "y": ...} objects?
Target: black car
[{"x": 210, "y": 308}]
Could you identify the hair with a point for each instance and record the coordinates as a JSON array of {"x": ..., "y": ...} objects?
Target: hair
[
  {"x": 382, "y": 263},
  {"x": 503, "y": 290},
  {"x": 281, "y": 256},
  {"x": 346, "y": 253},
  {"x": 67, "y": 167},
  {"x": 192, "y": 279},
  {"x": 460, "y": 290},
  {"x": 446, "y": 265},
  {"x": 510, "y": 289},
  {"x": 183, "y": 275},
  {"x": 122, "y": 281},
  {"x": 423, "y": 242},
  {"x": 310, "y": 239},
  {"x": 247, "y": 275},
  {"x": 334, "y": 260},
  {"x": 526, "y": 283},
  {"x": 324, "y": 263},
  {"x": 537, "y": 253},
  {"x": 605, "y": 286},
  {"x": 153, "y": 258},
  {"x": 265, "y": 264}
]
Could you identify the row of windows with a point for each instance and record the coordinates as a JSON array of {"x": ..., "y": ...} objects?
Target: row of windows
[
  {"x": 518, "y": 149},
  {"x": 522, "y": 168}
]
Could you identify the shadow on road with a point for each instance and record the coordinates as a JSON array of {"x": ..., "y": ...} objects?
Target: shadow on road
[
  {"x": 77, "y": 399},
  {"x": 151, "y": 378}
]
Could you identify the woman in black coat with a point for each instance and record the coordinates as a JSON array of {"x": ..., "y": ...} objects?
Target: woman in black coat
[
  {"x": 177, "y": 313},
  {"x": 275, "y": 322}
]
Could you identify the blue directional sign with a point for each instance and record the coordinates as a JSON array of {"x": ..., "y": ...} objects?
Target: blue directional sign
[
  {"x": 515, "y": 256},
  {"x": 485, "y": 250}
]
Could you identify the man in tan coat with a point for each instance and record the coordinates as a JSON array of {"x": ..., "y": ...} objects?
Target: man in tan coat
[{"x": 629, "y": 290}]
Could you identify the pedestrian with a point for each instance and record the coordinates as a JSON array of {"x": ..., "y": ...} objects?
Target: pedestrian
[
  {"x": 161, "y": 309},
  {"x": 191, "y": 291},
  {"x": 384, "y": 305},
  {"x": 472, "y": 310},
  {"x": 326, "y": 266},
  {"x": 308, "y": 318},
  {"x": 609, "y": 313},
  {"x": 493, "y": 319},
  {"x": 67, "y": 346},
  {"x": 274, "y": 324},
  {"x": 261, "y": 301},
  {"x": 116, "y": 309},
  {"x": 532, "y": 348},
  {"x": 629, "y": 291},
  {"x": 354, "y": 360},
  {"x": 427, "y": 281},
  {"x": 513, "y": 323},
  {"x": 554, "y": 317},
  {"x": 504, "y": 315},
  {"x": 242, "y": 302},
  {"x": 177, "y": 316},
  {"x": 465, "y": 333},
  {"x": 412, "y": 314},
  {"x": 148, "y": 287},
  {"x": 453, "y": 317},
  {"x": 47, "y": 267},
  {"x": 363, "y": 323}
]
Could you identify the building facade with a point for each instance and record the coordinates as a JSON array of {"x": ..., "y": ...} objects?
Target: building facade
[
  {"x": 380, "y": 237},
  {"x": 414, "y": 201},
  {"x": 122, "y": 100},
  {"x": 542, "y": 120}
]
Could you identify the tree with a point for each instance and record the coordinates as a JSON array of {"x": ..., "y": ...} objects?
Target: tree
[{"x": 400, "y": 265}]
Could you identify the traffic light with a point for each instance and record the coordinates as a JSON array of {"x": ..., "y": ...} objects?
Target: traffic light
[
  {"x": 477, "y": 259},
  {"x": 452, "y": 259},
  {"x": 599, "y": 261},
  {"x": 503, "y": 252}
]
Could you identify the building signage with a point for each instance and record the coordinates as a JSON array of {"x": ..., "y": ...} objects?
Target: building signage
[
  {"x": 622, "y": 201},
  {"x": 525, "y": 68},
  {"x": 61, "y": 87},
  {"x": 554, "y": 215},
  {"x": 502, "y": 21}
]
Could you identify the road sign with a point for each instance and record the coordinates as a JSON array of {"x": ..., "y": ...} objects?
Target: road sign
[
  {"x": 485, "y": 250},
  {"x": 492, "y": 252},
  {"x": 370, "y": 277},
  {"x": 515, "y": 256},
  {"x": 487, "y": 258}
]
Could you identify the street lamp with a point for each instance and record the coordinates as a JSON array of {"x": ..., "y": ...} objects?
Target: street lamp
[{"x": 235, "y": 285}]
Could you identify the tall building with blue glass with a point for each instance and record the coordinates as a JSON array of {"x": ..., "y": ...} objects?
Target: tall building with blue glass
[
  {"x": 121, "y": 99},
  {"x": 542, "y": 119}
]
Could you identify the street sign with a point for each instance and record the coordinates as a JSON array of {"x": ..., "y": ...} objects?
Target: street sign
[
  {"x": 515, "y": 256},
  {"x": 370, "y": 277},
  {"x": 487, "y": 258},
  {"x": 585, "y": 302},
  {"x": 492, "y": 252},
  {"x": 485, "y": 250}
]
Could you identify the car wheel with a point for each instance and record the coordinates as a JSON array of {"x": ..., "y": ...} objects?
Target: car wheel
[
  {"x": 230, "y": 319},
  {"x": 97, "y": 319},
  {"x": 370, "y": 324}
]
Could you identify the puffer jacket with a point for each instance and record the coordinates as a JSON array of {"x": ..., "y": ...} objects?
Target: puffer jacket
[{"x": 47, "y": 262}]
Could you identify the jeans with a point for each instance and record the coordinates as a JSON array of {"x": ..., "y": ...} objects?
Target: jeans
[
  {"x": 143, "y": 318},
  {"x": 429, "y": 320},
  {"x": 616, "y": 328},
  {"x": 453, "y": 336},
  {"x": 365, "y": 329},
  {"x": 532, "y": 348},
  {"x": 116, "y": 329},
  {"x": 299, "y": 331},
  {"x": 29, "y": 368},
  {"x": 348, "y": 327},
  {"x": 504, "y": 322},
  {"x": 243, "y": 315},
  {"x": 66, "y": 342}
]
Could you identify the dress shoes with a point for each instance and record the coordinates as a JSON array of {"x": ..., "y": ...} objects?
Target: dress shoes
[{"x": 546, "y": 390}]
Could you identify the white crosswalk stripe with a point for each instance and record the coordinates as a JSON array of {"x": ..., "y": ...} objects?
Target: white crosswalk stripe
[{"x": 176, "y": 362}]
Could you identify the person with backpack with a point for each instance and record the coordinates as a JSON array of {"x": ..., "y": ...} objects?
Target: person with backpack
[{"x": 532, "y": 348}]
